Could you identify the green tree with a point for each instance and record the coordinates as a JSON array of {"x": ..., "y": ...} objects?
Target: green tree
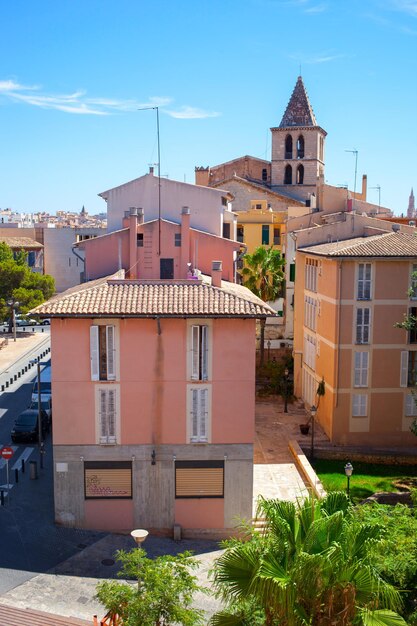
[
  {"x": 312, "y": 566},
  {"x": 19, "y": 284},
  {"x": 264, "y": 275},
  {"x": 161, "y": 595}
]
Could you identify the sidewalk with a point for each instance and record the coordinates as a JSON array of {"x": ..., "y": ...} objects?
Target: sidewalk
[{"x": 15, "y": 356}]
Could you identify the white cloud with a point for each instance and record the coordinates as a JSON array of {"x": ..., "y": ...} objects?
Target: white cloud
[
  {"x": 191, "y": 113},
  {"x": 405, "y": 6},
  {"x": 79, "y": 104}
]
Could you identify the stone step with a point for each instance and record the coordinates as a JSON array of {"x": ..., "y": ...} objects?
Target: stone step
[{"x": 12, "y": 616}]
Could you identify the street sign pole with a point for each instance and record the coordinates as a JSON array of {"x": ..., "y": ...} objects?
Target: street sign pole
[
  {"x": 7, "y": 478},
  {"x": 6, "y": 453}
]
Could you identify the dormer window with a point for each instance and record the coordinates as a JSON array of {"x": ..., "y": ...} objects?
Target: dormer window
[
  {"x": 288, "y": 147},
  {"x": 300, "y": 147}
]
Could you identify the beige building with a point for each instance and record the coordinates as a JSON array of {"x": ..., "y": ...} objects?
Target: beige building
[{"x": 349, "y": 295}]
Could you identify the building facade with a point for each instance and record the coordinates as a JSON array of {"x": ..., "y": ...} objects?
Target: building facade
[{"x": 349, "y": 296}]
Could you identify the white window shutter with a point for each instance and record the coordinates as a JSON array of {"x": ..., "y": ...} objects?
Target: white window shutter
[
  {"x": 103, "y": 415},
  {"x": 357, "y": 380},
  {"x": 404, "y": 369},
  {"x": 195, "y": 352},
  {"x": 203, "y": 414},
  {"x": 111, "y": 353},
  {"x": 111, "y": 416},
  {"x": 410, "y": 405},
  {"x": 204, "y": 352},
  {"x": 364, "y": 369},
  {"x": 94, "y": 353},
  {"x": 194, "y": 415}
]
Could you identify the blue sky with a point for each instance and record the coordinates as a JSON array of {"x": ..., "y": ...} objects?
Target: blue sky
[{"x": 74, "y": 72}]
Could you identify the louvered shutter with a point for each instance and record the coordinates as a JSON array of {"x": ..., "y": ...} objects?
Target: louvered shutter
[
  {"x": 195, "y": 352},
  {"x": 103, "y": 415},
  {"x": 366, "y": 325},
  {"x": 404, "y": 369},
  {"x": 194, "y": 415},
  {"x": 204, "y": 352},
  {"x": 357, "y": 380},
  {"x": 110, "y": 353},
  {"x": 364, "y": 369},
  {"x": 203, "y": 417},
  {"x": 410, "y": 406},
  {"x": 94, "y": 353},
  {"x": 111, "y": 416}
]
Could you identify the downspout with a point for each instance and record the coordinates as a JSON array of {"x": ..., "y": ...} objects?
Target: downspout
[{"x": 337, "y": 354}]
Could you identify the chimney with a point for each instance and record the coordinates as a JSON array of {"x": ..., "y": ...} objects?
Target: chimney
[
  {"x": 216, "y": 274},
  {"x": 125, "y": 220},
  {"x": 141, "y": 214},
  {"x": 202, "y": 176},
  {"x": 151, "y": 170},
  {"x": 133, "y": 229},
  {"x": 185, "y": 240},
  {"x": 364, "y": 187}
]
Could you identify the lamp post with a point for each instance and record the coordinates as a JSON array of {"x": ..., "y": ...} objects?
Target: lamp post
[
  {"x": 348, "y": 472},
  {"x": 286, "y": 372},
  {"x": 313, "y": 411},
  {"x": 13, "y": 305},
  {"x": 40, "y": 442}
]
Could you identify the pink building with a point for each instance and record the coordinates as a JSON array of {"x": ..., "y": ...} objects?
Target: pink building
[{"x": 154, "y": 384}]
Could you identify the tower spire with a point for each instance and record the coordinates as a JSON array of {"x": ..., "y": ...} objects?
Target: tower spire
[
  {"x": 411, "y": 211},
  {"x": 299, "y": 111}
]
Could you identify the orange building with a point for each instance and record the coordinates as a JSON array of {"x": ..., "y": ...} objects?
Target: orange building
[{"x": 348, "y": 297}]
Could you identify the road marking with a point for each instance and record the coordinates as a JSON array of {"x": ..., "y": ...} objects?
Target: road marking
[{"x": 23, "y": 457}]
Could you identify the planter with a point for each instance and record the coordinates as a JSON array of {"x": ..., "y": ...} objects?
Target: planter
[{"x": 304, "y": 429}]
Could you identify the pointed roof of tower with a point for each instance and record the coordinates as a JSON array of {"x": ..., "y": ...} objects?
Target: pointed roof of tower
[{"x": 299, "y": 111}]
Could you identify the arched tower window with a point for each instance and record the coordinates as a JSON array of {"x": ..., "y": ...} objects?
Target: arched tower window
[
  {"x": 321, "y": 149},
  {"x": 300, "y": 174},
  {"x": 300, "y": 147},
  {"x": 288, "y": 147},
  {"x": 288, "y": 175}
]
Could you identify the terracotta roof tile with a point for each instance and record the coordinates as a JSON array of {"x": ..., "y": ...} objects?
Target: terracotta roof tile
[
  {"x": 392, "y": 244},
  {"x": 21, "y": 242},
  {"x": 117, "y": 297}
]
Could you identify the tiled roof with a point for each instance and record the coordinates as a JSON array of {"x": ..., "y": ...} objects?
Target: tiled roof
[
  {"x": 21, "y": 242},
  {"x": 299, "y": 111},
  {"x": 392, "y": 244},
  {"x": 116, "y": 297}
]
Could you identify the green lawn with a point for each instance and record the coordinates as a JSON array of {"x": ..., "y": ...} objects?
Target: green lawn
[{"x": 367, "y": 478}]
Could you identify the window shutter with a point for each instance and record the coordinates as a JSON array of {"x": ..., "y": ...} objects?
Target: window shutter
[
  {"x": 410, "y": 406},
  {"x": 103, "y": 415},
  {"x": 195, "y": 352},
  {"x": 94, "y": 354},
  {"x": 110, "y": 353},
  {"x": 111, "y": 416},
  {"x": 194, "y": 415},
  {"x": 204, "y": 352},
  {"x": 357, "y": 380},
  {"x": 203, "y": 414},
  {"x": 404, "y": 369},
  {"x": 355, "y": 405},
  {"x": 359, "y": 405},
  {"x": 364, "y": 369}
]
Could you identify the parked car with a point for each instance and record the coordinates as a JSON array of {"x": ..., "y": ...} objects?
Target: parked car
[
  {"x": 46, "y": 389},
  {"x": 25, "y": 428},
  {"x": 46, "y": 407}
]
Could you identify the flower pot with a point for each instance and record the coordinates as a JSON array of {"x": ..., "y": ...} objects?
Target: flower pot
[{"x": 304, "y": 429}]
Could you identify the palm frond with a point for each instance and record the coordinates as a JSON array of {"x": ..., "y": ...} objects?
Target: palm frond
[{"x": 381, "y": 617}]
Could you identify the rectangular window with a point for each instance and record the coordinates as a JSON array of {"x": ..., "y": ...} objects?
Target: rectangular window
[
  {"x": 258, "y": 206},
  {"x": 107, "y": 415},
  {"x": 413, "y": 282},
  {"x": 363, "y": 325},
  {"x": 412, "y": 369},
  {"x": 310, "y": 312},
  {"x": 102, "y": 352},
  {"x": 412, "y": 334},
  {"x": 265, "y": 235},
  {"x": 364, "y": 281},
  {"x": 199, "y": 415},
  {"x": 108, "y": 479},
  {"x": 292, "y": 272},
  {"x": 199, "y": 479},
  {"x": 410, "y": 409},
  {"x": 310, "y": 351},
  {"x": 177, "y": 240},
  {"x": 240, "y": 234},
  {"x": 199, "y": 352},
  {"x": 359, "y": 405},
  {"x": 361, "y": 369},
  {"x": 139, "y": 240},
  {"x": 310, "y": 274},
  {"x": 277, "y": 237}
]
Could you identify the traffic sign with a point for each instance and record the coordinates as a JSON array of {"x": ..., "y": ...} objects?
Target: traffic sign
[{"x": 6, "y": 453}]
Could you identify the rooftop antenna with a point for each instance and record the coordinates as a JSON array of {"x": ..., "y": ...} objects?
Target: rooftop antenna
[
  {"x": 355, "y": 152},
  {"x": 379, "y": 194},
  {"x": 156, "y": 108}
]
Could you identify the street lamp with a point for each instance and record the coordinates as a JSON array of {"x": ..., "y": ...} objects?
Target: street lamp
[
  {"x": 40, "y": 442},
  {"x": 13, "y": 305},
  {"x": 286, "y": 372},
  {"x": 313, "y": 411},
  {"x": 348, "y": 472}
]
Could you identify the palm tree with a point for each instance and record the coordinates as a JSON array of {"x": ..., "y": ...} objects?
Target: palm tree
[
  {"x": 311, "y": 566},
  {"x": 263, "y": 274}
]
